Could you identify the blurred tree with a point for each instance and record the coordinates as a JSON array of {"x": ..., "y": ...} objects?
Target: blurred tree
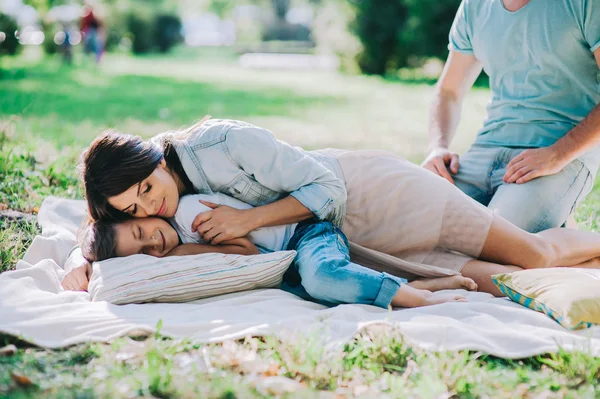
[
  {"x": 41, "y": 6},
  {"x": 167, "y": 32},
  {"x": 139, "y": 25},
  {"x": 10, "y": 44},
  {"x": 425, "y": 33},
  {"x": 221, "y": 7},
  {"x": 395, "y": 32},
  {"x": 281, "y": 8},
  {"x": 150, "y": 31},
  {"x": 378, "y": 25},
  {"x": 49, "y": 29},
  {"x": 281, "y": 29},
  {"x": 331, "y": 33},
  {"x": 115, "y": 24}
]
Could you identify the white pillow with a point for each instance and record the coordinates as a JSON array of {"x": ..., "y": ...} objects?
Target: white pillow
[{"x": 143, "y": 278}]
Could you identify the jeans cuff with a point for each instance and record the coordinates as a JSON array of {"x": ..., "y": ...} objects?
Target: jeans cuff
[{"x": 389, "y": 288}]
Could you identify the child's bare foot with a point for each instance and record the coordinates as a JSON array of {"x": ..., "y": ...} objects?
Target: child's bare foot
[
  {"x": 443, "y": 298},
  {"x": 411, "y": 297},
  {"x": 445, "y": 283}
]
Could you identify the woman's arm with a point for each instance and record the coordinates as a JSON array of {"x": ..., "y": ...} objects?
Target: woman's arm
[
  {"x": 313, "y": 189},
  {"x": 238, "y": 246},
  {"x": 223, "y": 221},
  {"x": 286, "y": 169}
]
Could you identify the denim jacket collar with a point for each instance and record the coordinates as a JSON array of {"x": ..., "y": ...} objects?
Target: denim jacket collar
[{"x": 192, "y": 167}]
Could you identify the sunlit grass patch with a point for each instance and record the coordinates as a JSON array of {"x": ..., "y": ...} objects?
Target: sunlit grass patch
[
  {"x": 15, "y": 238},
  {"x": 31, "y": 169},
  {"x": 377, "y": 363}
]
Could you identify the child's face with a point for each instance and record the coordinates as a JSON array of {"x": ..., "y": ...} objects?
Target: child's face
[{"x": 150, "y": 236}]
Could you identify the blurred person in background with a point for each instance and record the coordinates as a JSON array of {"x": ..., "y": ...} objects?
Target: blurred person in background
[
  {"x": 91, "y": 28},
  {"x": 66, "y": 48}
]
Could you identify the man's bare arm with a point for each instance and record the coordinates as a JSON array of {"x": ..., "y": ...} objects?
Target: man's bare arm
[
  {"x": 586, "y": 135},
  {"x": 459, "y": 75}
]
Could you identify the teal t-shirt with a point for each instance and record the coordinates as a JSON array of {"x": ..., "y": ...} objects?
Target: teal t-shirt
[{"x": 543, "y": 75}]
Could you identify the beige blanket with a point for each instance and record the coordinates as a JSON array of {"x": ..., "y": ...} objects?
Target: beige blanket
[{"x": 34, "y": 307}]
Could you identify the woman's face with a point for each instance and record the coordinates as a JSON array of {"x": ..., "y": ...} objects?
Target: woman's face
[
  {"x": 156, "y": 195},
  {"x": 150, "y": 236}
]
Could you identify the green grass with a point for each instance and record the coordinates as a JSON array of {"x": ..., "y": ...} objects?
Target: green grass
[
  {"x": 373, "y": 364},
  {"x": 49, "y": 113}
]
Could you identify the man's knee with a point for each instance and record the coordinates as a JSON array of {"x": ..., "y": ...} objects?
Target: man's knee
[{"x": 545, "y": 202}]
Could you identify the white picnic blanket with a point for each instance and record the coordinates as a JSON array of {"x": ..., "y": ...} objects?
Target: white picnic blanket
[{"x": 34, "y": 307}]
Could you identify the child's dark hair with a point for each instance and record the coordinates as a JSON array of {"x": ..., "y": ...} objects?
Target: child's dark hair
[{"x": 99, "y": 241}]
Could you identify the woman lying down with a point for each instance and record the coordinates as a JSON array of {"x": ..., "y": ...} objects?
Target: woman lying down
[{"x": 321, "y": 272}]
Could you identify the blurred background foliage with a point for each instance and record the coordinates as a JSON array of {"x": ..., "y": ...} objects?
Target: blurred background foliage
[
  {"x": 9, "y": 43},
  {"x": 367, "y": 36}
]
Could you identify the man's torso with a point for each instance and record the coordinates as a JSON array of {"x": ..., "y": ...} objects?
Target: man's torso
[{"x": 543, "y": 75}]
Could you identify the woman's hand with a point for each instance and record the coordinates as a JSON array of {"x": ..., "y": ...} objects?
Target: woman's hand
[
  {"x": 78, "y": 278},
  {"x": 222, "y": 223}
]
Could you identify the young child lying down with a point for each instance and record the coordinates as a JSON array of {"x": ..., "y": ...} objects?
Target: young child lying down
[{"x": 321, "y": 272}]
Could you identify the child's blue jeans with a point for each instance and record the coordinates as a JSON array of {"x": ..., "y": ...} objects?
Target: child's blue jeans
[{"x": 322, "y": 271}]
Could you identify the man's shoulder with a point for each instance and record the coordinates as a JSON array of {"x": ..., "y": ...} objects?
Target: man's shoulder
[{"x": 474, "y": 7}]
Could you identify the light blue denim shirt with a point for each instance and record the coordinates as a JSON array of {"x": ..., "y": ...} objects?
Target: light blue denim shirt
[{"x": 248, "y": 163}]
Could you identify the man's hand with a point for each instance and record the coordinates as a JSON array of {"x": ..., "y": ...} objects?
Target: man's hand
[
  {"x": 78, "y": 278},
  {"x": 221, "y": 224},
  {"x": 438, "y": 161},
  {"x": 534, "y": 163}
]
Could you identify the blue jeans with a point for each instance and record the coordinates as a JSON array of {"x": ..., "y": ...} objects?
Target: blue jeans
[
  {"x": 534, "y": 206},
  {"x": 322, "y": 271}
]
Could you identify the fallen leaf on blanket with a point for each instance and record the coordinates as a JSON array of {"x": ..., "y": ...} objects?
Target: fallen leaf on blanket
[
  {"x": 193, "y": 360},
  {"x": 130, "y": 350},
  {"x": 332, "y": 395},
  {"x": 341, "y": 393},
  {"x": 35, "y": 209},
  {"x": 278, "y": 385},
  {"x": 521, "y": 390},
  {"x": 8, "y": 350},
  {"x": 20, "y": 379},
  {"x": 359, "y": 390},
  {"x": 272, "y": 370}
]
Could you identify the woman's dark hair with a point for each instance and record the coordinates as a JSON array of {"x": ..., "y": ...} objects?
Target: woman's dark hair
[
  {"x": 174, "y": 164},
  {"x": 114, "y": 162},
  {"x": 99, "y": 241},
  {"x": 111, "y": 165}
]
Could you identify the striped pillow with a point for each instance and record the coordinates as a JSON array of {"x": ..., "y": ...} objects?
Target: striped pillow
[{"x": 143, "y": 278}]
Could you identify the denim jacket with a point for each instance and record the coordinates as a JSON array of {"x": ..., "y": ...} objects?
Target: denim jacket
[{"x": 247, "y": 162}]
